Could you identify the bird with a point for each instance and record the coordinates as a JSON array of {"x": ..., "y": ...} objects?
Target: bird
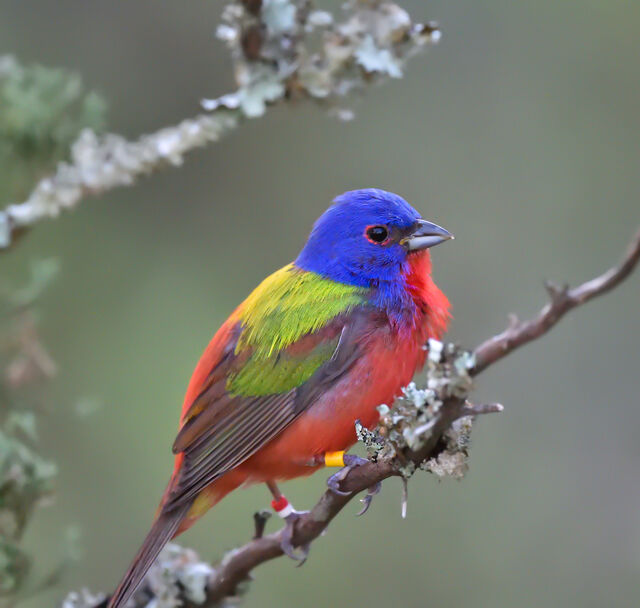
[{"x": 317, "y": 346}]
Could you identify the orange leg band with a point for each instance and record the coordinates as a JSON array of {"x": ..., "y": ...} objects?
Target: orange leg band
[{"x": 334, "y": 459}]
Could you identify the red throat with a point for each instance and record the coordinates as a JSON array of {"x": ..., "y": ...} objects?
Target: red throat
[{"x": 429, "y": 300}]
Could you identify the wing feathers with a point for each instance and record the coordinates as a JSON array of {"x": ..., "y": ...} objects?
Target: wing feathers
[
  {"x": 225, "y": 447},
  {"x": 222, "y": 429}
]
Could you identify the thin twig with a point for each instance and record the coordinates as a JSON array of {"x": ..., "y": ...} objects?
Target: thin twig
[{"x": 562, "y": 300}]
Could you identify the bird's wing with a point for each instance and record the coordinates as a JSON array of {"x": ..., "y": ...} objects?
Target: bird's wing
[{"x": 255, "y": 390}]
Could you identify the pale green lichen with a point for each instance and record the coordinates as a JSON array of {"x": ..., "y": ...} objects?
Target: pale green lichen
[
  {"x": 82, "y": 599},
  {"x": 453, "y": 461},
  {"x": 42, "y": 111},
  {"x": 26, "y": 477},
  {"x": 288, "y": 49},
  {"x": 178, "y": 574},
  {"x": 374, "y": 59},
  {"x": 408, "y": 424},
  {"x": 26, "y": 480}
]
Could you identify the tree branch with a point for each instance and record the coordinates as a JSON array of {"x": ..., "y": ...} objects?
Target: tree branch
[
  {"x": 228, "y": 578},
  {"x": 282, "y": 51},
  {"x": 101, "y": 163},
  {"x": 562, "y": 300}
]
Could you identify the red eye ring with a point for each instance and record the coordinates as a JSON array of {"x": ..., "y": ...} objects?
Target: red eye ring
[{"x": 376, "y": 234}]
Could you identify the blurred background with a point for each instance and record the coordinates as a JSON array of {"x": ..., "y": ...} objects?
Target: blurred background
[{"x": 519, "y": 133}]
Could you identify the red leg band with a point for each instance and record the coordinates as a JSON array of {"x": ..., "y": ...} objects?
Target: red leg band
[
  {"x": 282, "y": 507},
  {"x": 279, "y": 504}
]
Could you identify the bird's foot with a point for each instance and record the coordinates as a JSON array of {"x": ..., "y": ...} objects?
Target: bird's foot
[
  {"x": 368, "y": 497},
  {"x": 349, "y": 462},
  {"x": 285, "y": 510},
  {"x": 286, "y": 541}
]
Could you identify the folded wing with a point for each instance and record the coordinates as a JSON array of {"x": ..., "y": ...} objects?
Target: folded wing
[{"x": 249, "y": 398}]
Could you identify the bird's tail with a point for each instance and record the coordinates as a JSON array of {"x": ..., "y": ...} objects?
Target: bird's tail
[{"x": 163, "y": 529}]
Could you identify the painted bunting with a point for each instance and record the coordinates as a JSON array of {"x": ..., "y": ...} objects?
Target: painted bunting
[{"x": 316, "y": 346}]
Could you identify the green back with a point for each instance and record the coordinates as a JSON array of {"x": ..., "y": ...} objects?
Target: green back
[{"x": 285, "y": 307}]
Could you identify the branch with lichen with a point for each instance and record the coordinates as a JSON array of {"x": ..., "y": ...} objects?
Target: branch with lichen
[
  {"x": 427, "y": 429},
  {"x": 26, "y": 477},
  {"x": 42, "y": 111},
  {"x": 282, "y": 51}
]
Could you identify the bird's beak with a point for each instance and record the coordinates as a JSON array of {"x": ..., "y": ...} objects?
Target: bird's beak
[{"x": 424, "y": 235}]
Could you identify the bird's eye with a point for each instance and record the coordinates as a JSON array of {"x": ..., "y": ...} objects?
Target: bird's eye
[{"x": 377, "y": 234}]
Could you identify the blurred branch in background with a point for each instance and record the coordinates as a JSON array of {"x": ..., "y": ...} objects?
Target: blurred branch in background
[
  {"x": 429, "y": 429},
  {"x": 26, "y": 478},
  {"x": 42, "y": 111},
  {"x": 282, "y": 50}
]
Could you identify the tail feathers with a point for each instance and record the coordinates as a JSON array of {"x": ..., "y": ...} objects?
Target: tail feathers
[{"x": 161, "y": 532}]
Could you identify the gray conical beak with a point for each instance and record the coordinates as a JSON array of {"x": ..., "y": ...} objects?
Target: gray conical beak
[{"x": 424, "y": 235}]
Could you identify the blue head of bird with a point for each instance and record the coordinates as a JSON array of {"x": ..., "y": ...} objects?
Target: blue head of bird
[{"x": 366, "y": 239}]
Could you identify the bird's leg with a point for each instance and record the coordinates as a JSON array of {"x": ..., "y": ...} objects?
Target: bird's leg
[
  {"x": 348, "y": 462},
  {"x": 285, "y": 510}
]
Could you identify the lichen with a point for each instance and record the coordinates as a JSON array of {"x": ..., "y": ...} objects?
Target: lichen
[
  {"x": 409, "y": 422},
  {"x": 42, "y": 111},
  {"x": 290, "y": 50},
  {"x": 453, "y": 461},
  {"x": 282, "y": 50},
  {"x": 177, "y": 574},
  {"x": 26, "y": 477},
  {"x": 26, "y": 480},
  {"x": 82, "y": 599}
]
